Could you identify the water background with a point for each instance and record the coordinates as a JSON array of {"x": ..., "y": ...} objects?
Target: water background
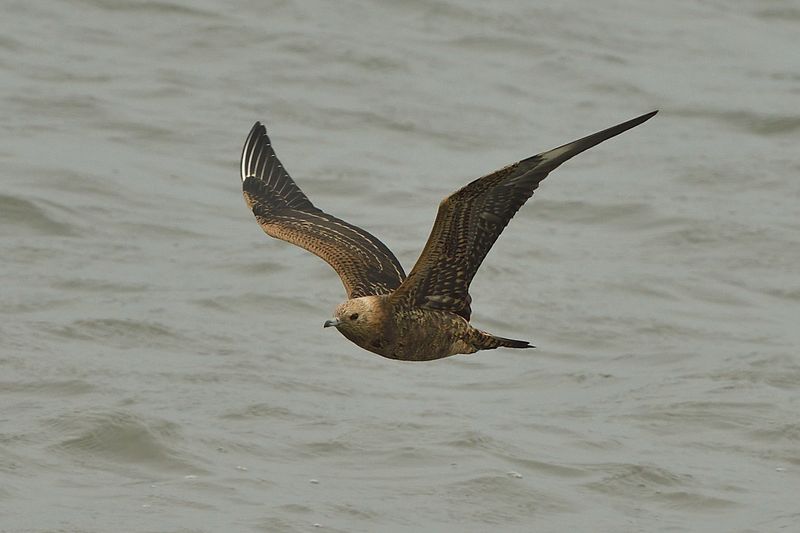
[{"x": 162, "y": 362}]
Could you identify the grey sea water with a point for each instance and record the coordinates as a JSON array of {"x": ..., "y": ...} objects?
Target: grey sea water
[{"x": 162, "y": 362}]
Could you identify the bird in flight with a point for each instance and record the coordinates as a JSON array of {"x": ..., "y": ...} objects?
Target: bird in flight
[{"x": 423, "y": 315}]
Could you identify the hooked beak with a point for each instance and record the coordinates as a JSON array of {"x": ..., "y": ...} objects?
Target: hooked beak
[{"x": 333, "y": 322}]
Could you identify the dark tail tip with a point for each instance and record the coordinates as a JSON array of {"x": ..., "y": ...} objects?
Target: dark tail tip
[{"x": 510, "y": 343}]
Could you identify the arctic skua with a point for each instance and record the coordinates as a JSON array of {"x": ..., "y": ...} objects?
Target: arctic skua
[{"x": 425, "y": 315}]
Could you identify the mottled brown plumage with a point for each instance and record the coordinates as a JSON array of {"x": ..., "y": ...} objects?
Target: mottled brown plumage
[
  {"x": 365, "y": 265},
  {"x": 426, "y": 315}
]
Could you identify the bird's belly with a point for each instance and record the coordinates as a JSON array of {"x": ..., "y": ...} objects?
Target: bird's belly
[{"x": 425, "y": 336}]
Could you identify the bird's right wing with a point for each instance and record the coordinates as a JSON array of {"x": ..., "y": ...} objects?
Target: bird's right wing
[
  {"x": 365, "y": 265},
  {"x": 471, "y": 219}
]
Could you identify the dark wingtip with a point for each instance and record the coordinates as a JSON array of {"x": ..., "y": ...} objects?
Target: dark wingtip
[
  {"x": 553, "y": 158},
  {"x": 253, "y": 138},
  {"x": 643, "y": 118},
  {"x": 625, "y": 126}
]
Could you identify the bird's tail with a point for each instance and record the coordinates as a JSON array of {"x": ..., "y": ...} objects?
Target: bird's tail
[{"x": 487, "y": 341}]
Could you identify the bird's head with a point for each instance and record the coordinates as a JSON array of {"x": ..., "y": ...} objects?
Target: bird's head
[{"x": 358, "y": 319}]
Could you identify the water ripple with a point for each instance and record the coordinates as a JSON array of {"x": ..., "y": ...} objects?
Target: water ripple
[{"x": 123, "y": 438}]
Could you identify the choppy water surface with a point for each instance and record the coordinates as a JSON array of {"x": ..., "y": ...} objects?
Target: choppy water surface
[{"x": 163, "y": 365}]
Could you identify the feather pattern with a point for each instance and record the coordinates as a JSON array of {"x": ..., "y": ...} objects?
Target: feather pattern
[
  {"x": 470, "y": 220},
  {"x": 365, "y": 265},
  {"x": 426, "y": 315}
]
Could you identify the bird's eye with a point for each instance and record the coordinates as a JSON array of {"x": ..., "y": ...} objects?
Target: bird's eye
[{"x": 354, "y": 316}]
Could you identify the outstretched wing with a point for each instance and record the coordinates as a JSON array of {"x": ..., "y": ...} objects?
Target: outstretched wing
[
  {"x": 471, "y": 219},
  {"x": 364, "y": 263}
]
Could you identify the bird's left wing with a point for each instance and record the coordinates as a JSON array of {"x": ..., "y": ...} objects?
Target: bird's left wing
[
  {"x": 470, "y": 220},
  {"x": 365, "y": 265}
]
